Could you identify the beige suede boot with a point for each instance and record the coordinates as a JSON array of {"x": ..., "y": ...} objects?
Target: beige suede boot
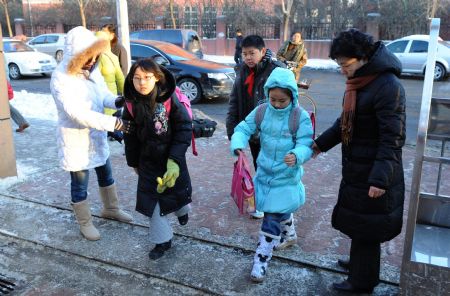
[
  {"x": 84, "y": 218},
  {"x": 111, "y": 205}
]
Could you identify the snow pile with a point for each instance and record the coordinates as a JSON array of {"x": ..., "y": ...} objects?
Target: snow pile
[{"x": 33, "y": 105}]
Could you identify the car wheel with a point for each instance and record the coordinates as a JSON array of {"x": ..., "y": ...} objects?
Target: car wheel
[
  {"x": 14, "y": 71},
  {"x": 191, "y": 89},
  {"x": 59, "y": 56},
  {"x": 439, "y": 72}
]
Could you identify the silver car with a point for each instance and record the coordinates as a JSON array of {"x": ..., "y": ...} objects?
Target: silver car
[
  {"x": 412, "y": 51},
  {"x": 52, "y": 44}
]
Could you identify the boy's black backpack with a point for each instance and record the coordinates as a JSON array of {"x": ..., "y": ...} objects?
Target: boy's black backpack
[{"x": 203, "y": 128}]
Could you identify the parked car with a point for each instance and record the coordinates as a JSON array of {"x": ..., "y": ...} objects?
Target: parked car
[
  {"x": 21, "y": 59},
  {"x": 52, "y": 44},
  {"x": 413, "y": 52},
  {"x": 187, "y": 39},
  {"x": 196, "y": 78}
]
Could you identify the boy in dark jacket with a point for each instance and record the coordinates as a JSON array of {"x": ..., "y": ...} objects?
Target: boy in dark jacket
[{"x": 248, "y": 88}]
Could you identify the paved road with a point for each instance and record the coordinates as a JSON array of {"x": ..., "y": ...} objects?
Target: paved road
[{"x": 327, "y": 88}]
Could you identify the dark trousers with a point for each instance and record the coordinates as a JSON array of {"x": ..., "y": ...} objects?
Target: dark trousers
[
  {"x": 238, "y": 57},
  {"x": 255, "y": 147},
  {"x": 271, "y": 225},
  {"x": 364, "y": 270}
]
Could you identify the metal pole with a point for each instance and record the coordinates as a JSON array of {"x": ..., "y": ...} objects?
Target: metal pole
[
  {"x": 122, "y": 27},
  {"x": 421, "y": 142}
]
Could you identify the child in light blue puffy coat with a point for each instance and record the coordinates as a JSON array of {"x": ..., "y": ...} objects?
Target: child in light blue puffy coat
[{"x": 278, "y": 188}]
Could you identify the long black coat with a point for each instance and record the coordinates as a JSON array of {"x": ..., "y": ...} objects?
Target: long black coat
[
  {"x": 374, "y": 155},
  {"x": 239, "y": 108},
  {"x": 149, "y": 151}
]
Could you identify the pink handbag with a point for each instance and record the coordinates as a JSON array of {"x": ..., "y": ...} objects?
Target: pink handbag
[{"x": 242, "y": 189}]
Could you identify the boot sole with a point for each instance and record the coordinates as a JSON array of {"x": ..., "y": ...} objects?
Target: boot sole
[
  {"x": 256, "y": 280},
  {"x": 285, "y": 245},
  {"x": 111, "y": 217}
]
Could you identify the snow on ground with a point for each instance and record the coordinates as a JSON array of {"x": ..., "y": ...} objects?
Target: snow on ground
[
  {"x": 319, "y": 64},
  {"x": 31, "y": 105}
]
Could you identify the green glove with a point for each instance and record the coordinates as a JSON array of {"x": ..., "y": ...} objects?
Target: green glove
[
  {"x": 169, "y": 178},
  {"x": 172, "y": 173},
  {"x": 161, "y": 187}
]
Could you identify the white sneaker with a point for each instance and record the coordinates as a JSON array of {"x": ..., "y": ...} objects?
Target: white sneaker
[{"x": 257, "y": 215}]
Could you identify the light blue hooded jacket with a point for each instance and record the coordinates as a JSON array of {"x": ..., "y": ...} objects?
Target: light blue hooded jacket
[{"x": 278, "y": 188}]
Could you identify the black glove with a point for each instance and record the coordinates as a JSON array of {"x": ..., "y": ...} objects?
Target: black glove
[
  {"x": 118, "y": 113},
  {"x": 125, "y": 126},
  {"x": 116, "y": 135},
  {"x": 120, "y": 100}
]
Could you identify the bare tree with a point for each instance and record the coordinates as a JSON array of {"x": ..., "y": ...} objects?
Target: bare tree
[
  {"x": 286, "y": 6},
  {"x": 8, "y": 21},
  {"x": 174, "y": 23},
  {"x": 432, "y": 7}
]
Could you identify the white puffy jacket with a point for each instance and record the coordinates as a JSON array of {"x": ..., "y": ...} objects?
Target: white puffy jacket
[{"x": 80, "y": 100}]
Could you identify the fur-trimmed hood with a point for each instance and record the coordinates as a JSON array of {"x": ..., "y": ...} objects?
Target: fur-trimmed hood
[{"x": 81, "y": 45}]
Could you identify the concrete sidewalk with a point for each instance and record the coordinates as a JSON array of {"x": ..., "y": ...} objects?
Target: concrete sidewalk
[{"x": 43, "y": 253}]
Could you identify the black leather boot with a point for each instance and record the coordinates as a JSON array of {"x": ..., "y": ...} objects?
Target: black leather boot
[
  {"x": 158, "y": 251},
  {"x": 346, "y": 286},
  {"x": 344, "y": 263},
  {"x": 183, "y": 220}
]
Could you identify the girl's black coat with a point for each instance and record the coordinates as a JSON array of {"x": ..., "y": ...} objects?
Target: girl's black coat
[
  {"x": 374, "y": 155},
  {"x": 149, "y": 152}
]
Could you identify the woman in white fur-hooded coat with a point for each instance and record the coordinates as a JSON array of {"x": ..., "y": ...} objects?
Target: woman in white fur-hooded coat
[
  {"x": 80, "y": 95},
  {"x": 80, "y": 98}
]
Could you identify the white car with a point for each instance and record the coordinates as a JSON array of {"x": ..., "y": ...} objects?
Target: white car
[
  {"x": 52, "y": 44},
  {"x": 21, "y": 59},
  {"x": 412, "y": 52}
]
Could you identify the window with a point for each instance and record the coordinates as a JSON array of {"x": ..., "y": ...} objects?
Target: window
[
  {"x": 209, "y": 22},
  {"x": 168, "y": 19},
  {"x": 419, "y": 46},
  {"x": 51, "y": 39},
  {"x": 190, "y": 18},
  {"x": 38, "y": 40},
  {"x": 398, "y": 46},
  {"x": 140, "y": 51}
]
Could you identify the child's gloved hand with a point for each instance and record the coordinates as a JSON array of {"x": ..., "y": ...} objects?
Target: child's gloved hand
[
  {"x": 169, "y": 178},
  {"x": 290, "y": 159},
  {"x": 161, "y": 187}
]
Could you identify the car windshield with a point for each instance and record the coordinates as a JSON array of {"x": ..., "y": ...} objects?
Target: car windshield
[
  {"x": 16, "y": 46},
  {"x": 176, "y": 53}
]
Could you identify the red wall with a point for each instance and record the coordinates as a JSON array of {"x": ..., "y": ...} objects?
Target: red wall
[{"x": 317, "y": 49}]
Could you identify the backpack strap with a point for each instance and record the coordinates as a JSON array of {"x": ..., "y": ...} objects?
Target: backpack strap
[
  {"x": 259, "y": 116},
  {"x": 167, "y": 105},
  {"x": 294, "y": 122},
  {"x": 129, "y": 107}
]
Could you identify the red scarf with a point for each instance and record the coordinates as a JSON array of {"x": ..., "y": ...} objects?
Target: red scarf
[
  {"x": 349, "y": 106},
  {"x": 250, "y": 81}
]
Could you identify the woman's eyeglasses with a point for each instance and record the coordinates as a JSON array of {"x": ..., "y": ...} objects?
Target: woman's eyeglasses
[{"x": 143, "y": 79}]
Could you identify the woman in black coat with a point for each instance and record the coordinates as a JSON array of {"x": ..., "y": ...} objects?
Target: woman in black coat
[
  {"x": 157, "y": 149},
  {"x": 371, "y": 130}
]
